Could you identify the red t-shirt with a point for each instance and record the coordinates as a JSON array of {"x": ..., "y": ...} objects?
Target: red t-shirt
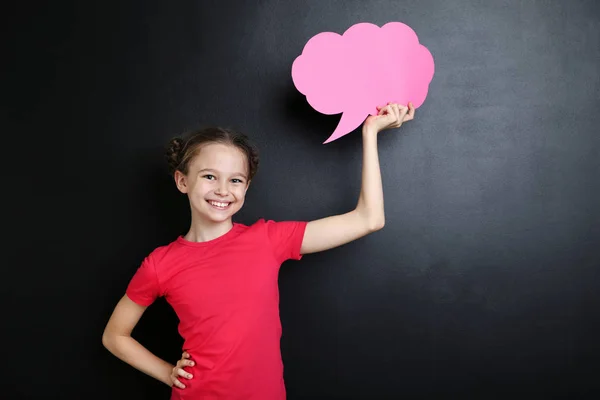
[{"x": 225, "y": 293}]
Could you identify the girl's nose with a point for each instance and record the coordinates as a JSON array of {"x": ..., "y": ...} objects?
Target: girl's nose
[{"x": 222, "y": 189}]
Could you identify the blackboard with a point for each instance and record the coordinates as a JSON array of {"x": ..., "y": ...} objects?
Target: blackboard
[{"x": 484, "y": 282}]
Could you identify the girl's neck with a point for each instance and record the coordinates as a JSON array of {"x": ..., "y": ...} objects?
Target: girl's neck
[{"x": 204, "y": 231}]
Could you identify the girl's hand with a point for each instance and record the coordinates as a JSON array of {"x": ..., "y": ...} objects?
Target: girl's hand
[
  {"x": 390, "y": 116},
  {"x": 178, "y": 370}
]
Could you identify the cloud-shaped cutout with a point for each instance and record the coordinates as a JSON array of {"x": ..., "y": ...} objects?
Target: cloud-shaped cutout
[{"x": 365, "y": 67}]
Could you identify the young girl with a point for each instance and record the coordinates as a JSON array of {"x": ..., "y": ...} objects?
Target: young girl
[{"x": 221, "y": 277}]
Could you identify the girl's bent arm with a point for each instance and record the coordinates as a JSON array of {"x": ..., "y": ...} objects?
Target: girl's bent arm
[
  {"x": 368, "y": 216},
  {"x": 117, "y": 339}
]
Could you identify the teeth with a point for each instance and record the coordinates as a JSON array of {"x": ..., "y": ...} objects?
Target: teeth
[{"x": 217, "y": 204}]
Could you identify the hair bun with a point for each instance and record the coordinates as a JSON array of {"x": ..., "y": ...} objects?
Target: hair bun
[{"x": 173, "y": 154}]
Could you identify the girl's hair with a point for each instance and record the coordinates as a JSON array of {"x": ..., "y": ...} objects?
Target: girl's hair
[{"x": 181, "y": 150}]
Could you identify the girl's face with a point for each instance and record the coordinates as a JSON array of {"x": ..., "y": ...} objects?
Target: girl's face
[{"x": 216, "y": 182}]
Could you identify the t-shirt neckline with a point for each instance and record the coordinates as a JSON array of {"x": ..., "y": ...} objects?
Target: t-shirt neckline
[{"x": 229, "y": 233}]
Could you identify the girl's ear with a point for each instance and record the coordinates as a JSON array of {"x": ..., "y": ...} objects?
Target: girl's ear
[
  {"x": 181, "y": 181},
  {"x": 247, "y": 186}
]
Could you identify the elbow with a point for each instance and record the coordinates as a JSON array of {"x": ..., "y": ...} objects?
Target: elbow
[
  {"x": 376, "y": 225},
  {"x": 106, "y": 342},
  {"x": 371, "y": 221},
  {"x": 109, "y": 340}
]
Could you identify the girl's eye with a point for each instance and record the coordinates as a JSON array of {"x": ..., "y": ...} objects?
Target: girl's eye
[
  {"x": 209, "y": 177},
  {"x": 235, "y": 180}
]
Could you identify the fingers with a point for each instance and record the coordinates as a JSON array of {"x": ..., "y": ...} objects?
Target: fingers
[
  {"x": 177, "y": 383},
  {"x": 395, "y": 114},
  {"x": 411, "y": 112},
  {"x": 183, "y": 373},
  {"x": 176, "y": 373},
  {"x": 403, "y": 110},
  {"x": 392, "y": 115},
  {"x": 185, "y": 363},
  {"x": 395, "y": 111},
  {"x": 382, "y": 111},
  {"x": 403, "y": 113}
]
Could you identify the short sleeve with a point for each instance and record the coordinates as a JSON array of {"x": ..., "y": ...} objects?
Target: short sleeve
[
  {"x": 286, "y": 238},
  {"x": 143, "y": 288}
]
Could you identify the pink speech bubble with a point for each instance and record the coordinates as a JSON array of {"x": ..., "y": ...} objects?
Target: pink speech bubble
[{"x": 365, "y": 67}]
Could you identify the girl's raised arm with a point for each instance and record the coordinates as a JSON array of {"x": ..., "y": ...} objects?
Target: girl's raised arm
[{"x": 368, "y": 216}]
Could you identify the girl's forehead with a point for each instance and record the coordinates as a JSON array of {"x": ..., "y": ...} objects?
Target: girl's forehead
[{"x": 221, "y": 156}]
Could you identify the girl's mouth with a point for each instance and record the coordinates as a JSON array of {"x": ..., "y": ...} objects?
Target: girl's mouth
[{"x": 219, "y": 205}]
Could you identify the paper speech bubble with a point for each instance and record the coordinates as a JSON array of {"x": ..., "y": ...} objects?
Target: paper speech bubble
[{"x": 365, "y": 67}]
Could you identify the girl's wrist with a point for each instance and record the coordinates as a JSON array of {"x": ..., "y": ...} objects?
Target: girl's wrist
[
  {"x": 166, "y": 375},
  {"x": 369, "y": 131}
]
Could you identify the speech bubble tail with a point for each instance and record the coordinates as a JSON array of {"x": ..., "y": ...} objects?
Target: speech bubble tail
[{"x": 348, "y": 123}]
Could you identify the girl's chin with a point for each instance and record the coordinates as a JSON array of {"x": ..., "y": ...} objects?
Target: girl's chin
[{"x": 218, "y": 215}]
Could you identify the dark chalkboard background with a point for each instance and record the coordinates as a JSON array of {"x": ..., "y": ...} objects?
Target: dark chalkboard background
[{"x": 485, "y": 281}]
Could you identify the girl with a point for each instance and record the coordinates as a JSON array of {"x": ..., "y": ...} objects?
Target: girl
[{"x": 221, "y": 277}]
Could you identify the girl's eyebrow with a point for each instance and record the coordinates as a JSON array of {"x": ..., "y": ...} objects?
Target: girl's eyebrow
[{"x": 215, "y": 171}]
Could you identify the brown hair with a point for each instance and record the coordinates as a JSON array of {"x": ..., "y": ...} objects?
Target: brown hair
[{"x": 181, "y": 150}]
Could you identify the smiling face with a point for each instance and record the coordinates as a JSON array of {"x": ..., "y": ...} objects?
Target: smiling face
[{"x": 216, "y": 182}]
